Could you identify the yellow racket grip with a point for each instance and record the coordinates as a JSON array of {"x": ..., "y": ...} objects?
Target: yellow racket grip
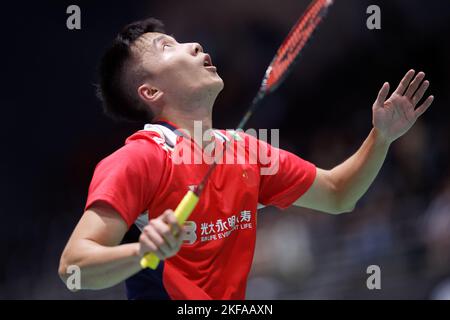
[{"x": 182, "y": 212}]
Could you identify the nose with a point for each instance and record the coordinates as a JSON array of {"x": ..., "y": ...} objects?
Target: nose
[{"x": 196, "y": 48}]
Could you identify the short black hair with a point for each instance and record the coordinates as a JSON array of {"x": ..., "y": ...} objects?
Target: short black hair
[{"x": 117, "y": 81}]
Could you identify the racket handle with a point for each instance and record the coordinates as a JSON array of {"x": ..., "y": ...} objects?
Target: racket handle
[{"x": 182, "y": 212}]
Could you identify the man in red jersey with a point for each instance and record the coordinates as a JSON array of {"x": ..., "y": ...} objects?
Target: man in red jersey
[{"x": 147, "y": 75}]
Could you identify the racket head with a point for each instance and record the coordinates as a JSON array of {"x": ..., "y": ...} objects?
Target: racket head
[{"x": 295, "y": 41}]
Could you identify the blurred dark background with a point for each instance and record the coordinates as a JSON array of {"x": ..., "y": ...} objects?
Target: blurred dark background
[{"x": 54, "y": 133}]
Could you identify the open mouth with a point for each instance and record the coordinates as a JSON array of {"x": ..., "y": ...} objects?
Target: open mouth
[{"x": 207, "y": 63}]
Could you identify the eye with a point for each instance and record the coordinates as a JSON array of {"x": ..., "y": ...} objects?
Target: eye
[{"x": 166, "y": 45}]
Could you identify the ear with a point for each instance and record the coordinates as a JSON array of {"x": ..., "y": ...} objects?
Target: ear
[{"x": 150, "y": 94}]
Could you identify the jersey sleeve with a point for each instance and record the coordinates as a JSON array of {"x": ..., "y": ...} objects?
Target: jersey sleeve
[
  {"x": 285, "y": 177},
  {"x": 127, "y": 180}
]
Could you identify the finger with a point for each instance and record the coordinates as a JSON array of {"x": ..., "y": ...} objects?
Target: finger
[
  {"x": 405, "y": 82},
  {"x": 414, "y": 85},
  {"x": 157, "y": 239},
  {"x": 164, "y": 230},
  {"x": 419, "y": 94},
  {"x": 179, "y": 243},
  {"x": 420, "y": 110},
  {"x": 171, "y": 220},
  {"x": 382, "y": 95},
  {"x": 184, "y": 230},
  {"x": 149, "y": 246}
]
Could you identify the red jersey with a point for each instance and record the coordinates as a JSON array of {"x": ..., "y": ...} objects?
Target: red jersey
[{"x": 141, "y": 180}]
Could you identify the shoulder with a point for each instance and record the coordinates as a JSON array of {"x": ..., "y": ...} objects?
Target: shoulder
[{"x": 141, "y": 147}]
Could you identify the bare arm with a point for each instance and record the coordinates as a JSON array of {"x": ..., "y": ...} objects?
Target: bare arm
[
  {"x": 338, "y": 190},
  {"x": 94, "y": 246}
]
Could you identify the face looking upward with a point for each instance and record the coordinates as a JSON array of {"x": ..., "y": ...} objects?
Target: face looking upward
[{"x": 179, "y": 72}]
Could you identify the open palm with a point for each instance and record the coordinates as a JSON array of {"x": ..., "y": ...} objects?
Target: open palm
[{"x": 395, "y": 116}]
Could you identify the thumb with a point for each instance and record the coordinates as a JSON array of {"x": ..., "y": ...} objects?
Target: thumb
[{"x": 382, "y": 95}]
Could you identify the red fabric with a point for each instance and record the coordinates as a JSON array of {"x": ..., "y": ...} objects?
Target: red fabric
[
  {"x": 129, "y": 178},
  {"x": 215, "y": 260},
  {"x": 292, "y": 179},
  {"x": 181, "y": 288}
]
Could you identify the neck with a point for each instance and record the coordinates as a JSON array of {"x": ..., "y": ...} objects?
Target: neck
[{"x": 187, "y": 120}]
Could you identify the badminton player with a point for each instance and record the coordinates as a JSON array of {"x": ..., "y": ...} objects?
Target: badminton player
[{"x": 147, "y": 75}]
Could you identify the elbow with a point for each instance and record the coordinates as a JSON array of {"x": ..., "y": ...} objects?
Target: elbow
[
  {"x": 63, "y": 271},
  {"x": 62, "y": 268},
  {"x": 343, "y": 207},
  {"x": 70, "y": 274},
  {"x": 342, "y": 203},
  {"x": 339, "y": 201},
  {"x": 339, "y": 210}
]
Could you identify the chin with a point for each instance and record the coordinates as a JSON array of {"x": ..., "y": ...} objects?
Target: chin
[
  {"x": 214, "y": 87},
  {"x": 219, "y": 84}
]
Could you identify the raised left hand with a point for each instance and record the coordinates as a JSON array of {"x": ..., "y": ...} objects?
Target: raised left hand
[{"x": 395, "y": 116}]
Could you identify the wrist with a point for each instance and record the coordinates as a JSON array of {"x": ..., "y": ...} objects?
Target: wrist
[
  {"x": 380, "y": 139},
  {"x": 136, "y": 251}
]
